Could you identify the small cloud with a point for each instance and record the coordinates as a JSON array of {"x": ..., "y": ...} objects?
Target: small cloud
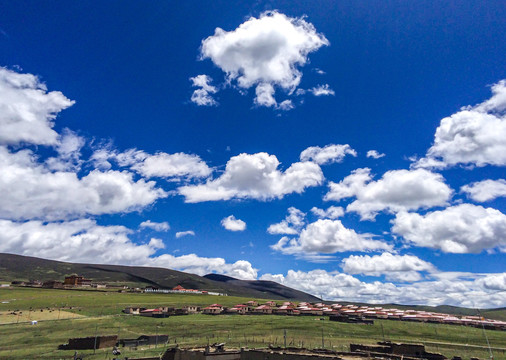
[
  {"x": 202, "y": 96},
  {"x": 156, "y": 243},
  {"x": 328, "y": 154},
  {"x": 157, "y": 226},
  {"x": 322, "y": 90},
  {"x": 374, "y": 154},
  {"x": 485, "y": 190},
  {"x": 286, "y": 105},
  {"x": 333, "y": 212},
  {"x": 291, "y": 225},
  {"x": 180, "y": 234},
  {"x": 232, "y": 224}
]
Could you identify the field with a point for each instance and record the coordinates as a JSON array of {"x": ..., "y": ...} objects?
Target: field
[{"x": 100, "y": 313}]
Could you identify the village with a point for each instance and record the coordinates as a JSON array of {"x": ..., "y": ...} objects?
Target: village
[
  {"x": 336, "y": 312},
  {"x": 349, "y": 313}
]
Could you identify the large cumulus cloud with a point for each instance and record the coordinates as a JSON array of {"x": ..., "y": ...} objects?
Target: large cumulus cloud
[{"x": 265, "y": 53}]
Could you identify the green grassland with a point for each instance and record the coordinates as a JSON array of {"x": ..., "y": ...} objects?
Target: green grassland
[{"x": 100, "y": 313}]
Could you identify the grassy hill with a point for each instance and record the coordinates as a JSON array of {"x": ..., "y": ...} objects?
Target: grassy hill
[{"x": 24, "y": 268}]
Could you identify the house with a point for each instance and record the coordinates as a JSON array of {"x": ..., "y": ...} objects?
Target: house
[
  {"x": 311, "y": 311},
  {"x": 151, "y": 312},
  {"x": 35, "y": 283},
  {"x": 192, "y": 309},
  {"x": 133, "y": 310},
  {"x": 75, "y": 280},
  {"x": 238, "y": 309},
  {"x": 52, "y": 284},
  {"x": 214, "y": 309},
  {"x": 285, "y": 310},
  {"x": 263, "y": 309}
]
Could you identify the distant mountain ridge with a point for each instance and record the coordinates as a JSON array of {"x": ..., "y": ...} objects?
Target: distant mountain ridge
[
  {"x": 19, "y": 267},
  {"x": 260, "y": 285}
]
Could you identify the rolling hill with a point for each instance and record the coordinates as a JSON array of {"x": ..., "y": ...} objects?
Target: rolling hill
[{"x": 24, "y": 268}]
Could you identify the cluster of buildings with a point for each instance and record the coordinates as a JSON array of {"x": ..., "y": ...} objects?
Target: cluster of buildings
[
  {"x": 71, "y": 281},
  {"x": 180, "y": 290},
  {"x": 379, "y": 312},
  {"x": 345, "y": 313}
]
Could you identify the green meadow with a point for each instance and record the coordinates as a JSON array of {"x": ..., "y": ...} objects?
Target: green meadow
[{"x": 63, "y": 314}]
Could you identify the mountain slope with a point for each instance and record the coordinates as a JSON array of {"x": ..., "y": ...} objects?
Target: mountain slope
[
  {"x": 18, "y": 267},
  {"x": 264, "y": 286}
]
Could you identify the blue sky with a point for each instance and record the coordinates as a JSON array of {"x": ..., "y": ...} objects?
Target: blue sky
[{"x": 350, "y": 149}]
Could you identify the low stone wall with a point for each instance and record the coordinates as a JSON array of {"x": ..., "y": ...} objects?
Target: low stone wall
[{"x": 91, "y": 342}]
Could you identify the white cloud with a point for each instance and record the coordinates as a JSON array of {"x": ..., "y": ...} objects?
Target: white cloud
[
  {"x": 157, "y": 226},
  {"x": 485, "y": 190},
  {"x": 494, "y": 282},
  {"x": 328, "y": 154},
  {"x": 322, "y": 90},
  {"x": 332, "y": 212},
  {"x": 156, "y": 244},
  {"x": 394, "y": 267},
  {"x": 202, "y": 96},
  {"x": 397, "y": 190},
  {"x": 180, "y": 234},
  {"x": 464, "y": 291},
  {"x": 255, "y": 176},
  {"x": 374, "y": 154},
  {"x": 86, "y": 242},
  {"x": 232, "y": 224},
  {"x": 328, "y": 237},
  {"x": 194, "y": 264},
  {"x": 264, "y": 53},
  {"x": 79, "y": 240},
  {"x": 265, "y": 95},
  {"x": 29, "y": 190},
  {"x": 27, "y": 110},
  {"x": 472, "y": 136},
  {"x": 462, "y": 228},
  {"x": 171, "y": 166},
  {"x": 286, "y": 105},
  {"x": 291, "y": 225},
  {"x": 68, "y": 147}
]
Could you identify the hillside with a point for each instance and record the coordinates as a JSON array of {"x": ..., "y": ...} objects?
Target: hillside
[
  {"x": 261, "y": 285},
  {"x": 18, "y": 267}
]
